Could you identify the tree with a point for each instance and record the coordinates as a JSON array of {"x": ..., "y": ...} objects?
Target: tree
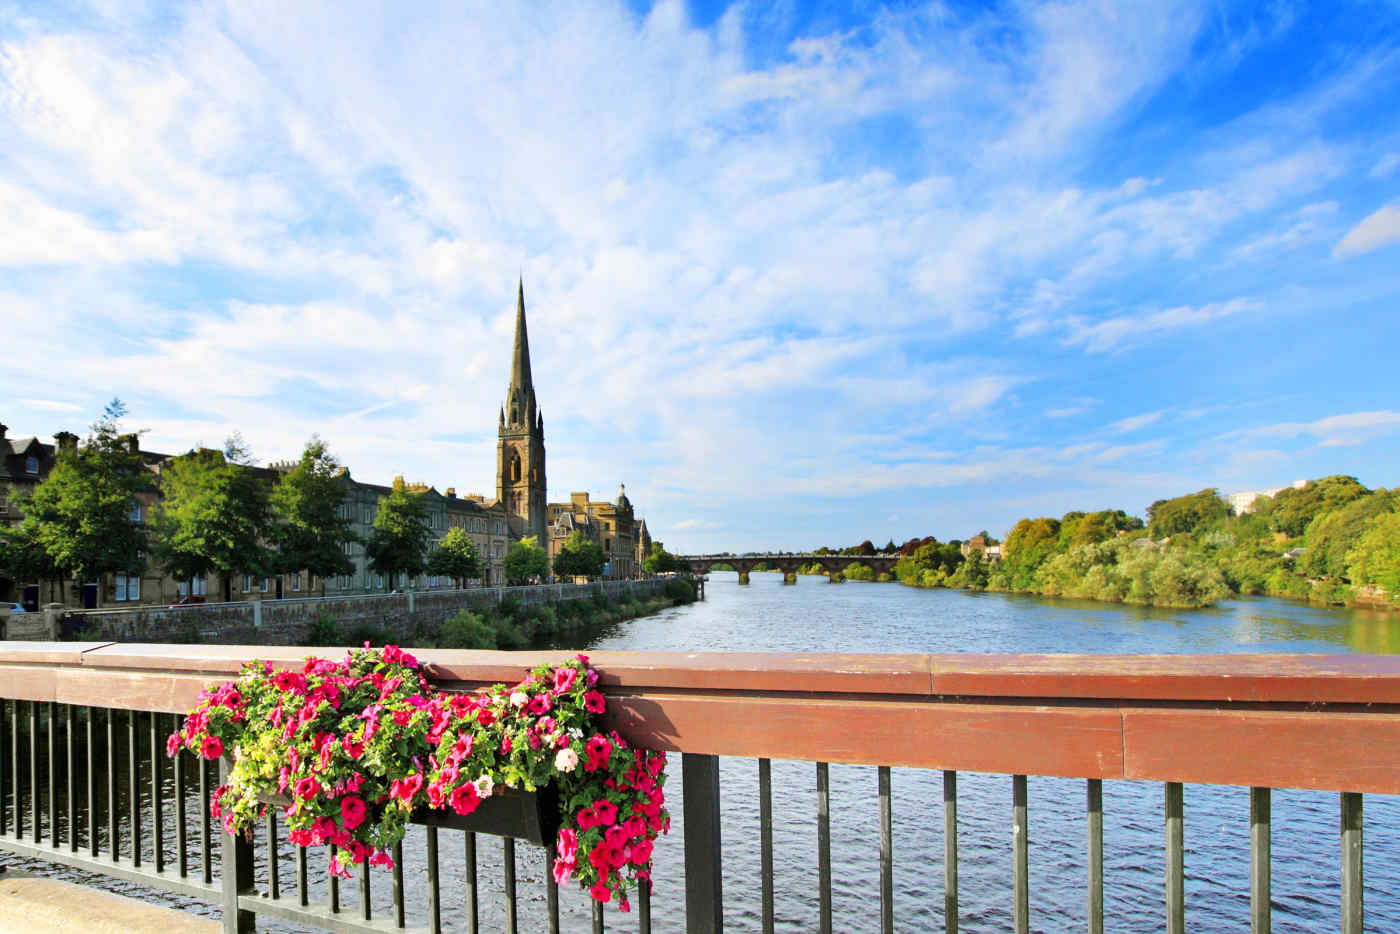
[
  {"x": 661, "y": 561},
  {"x": 1332, "y": 534},
  {"x": 579, "y": 557},
  {"x": 1027, "y": 546},
  {"x": 1189, "y": 513},
  {"x": 1293, "y": 509},
  {"x": 213, "y": 515},
  {"x": 525, "y": 561},
  {"x": 22, "y": 554},
  {"x": 456, "y": 556},
  {"x": 399, "y": 540},
  {"x": 309, "y": 531},
  {"x": 82, "y": 511},
  {"x": 1375, "y": 560}
]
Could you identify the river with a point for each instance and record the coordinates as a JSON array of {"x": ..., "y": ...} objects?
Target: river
[{"x": 814, "y": 615}]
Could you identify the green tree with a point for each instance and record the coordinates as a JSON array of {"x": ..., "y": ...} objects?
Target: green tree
[
  {"x": 1375, "y": 559},
  {"x": 579, "y": 557},
  {"x": 456, "y": 556},
  {"x": 1027, "y": 546},
  {"x": 213, "y": 515},
  {"x": 1292, "y": 509},
  {"x": 661, "y": 561},
  {"x": 1190, "y": 513},
  {"x": 22, "y": 553},
  {"x": 82, "y": 511},
  {"x": 308, "y": 529},
  {"x": 1331, "y": 535},
  {"x": 398, "y": 542},
  {"x": 525, "y": 561}
]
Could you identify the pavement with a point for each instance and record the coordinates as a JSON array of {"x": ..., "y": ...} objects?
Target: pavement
[{"x": 31, "y": 904}]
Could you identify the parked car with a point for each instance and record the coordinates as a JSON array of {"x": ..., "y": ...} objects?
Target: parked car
[
  {"x": 14, "y": 607},
  {"x": 193, "y": 599}
]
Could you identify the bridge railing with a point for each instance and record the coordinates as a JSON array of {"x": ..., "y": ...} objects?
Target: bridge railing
[{"x": 84, "y": 781}]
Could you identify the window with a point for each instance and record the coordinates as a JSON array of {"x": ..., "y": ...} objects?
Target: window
[
  {"x": 135, "y": 514},
  {"x": 128, "y": 587},
  {"x": 369, "y": 516},
  {"x": 31, "y": 464},
  {"x": 379, "y": 581},
  {"x": 247, "y": 583},
  {"x": 296, "y": 582},
  {"x": 266, "y": 584},
  {"x": 199, "y": 586}
]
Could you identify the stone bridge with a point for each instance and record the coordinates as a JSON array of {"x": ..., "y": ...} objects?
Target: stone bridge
[{"x": 788, "y": 564}]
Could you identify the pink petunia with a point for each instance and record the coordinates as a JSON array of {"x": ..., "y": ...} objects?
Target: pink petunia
[
  {"x": 593, "y": 702},
  {"x": 606, "y": 812},
  {"x": 212, "y": 747},
  {"x": 564, "y": 679},
  {"x": 600, "y": 892},
  {"x": 172, "y": 745},
  {"x": 464, "y": 798},
  {"x": 352, "y": 812}
]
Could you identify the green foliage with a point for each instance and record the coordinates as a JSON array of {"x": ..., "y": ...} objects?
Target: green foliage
[
  {"x": 81, "y": 513},
  {"x": 855, "y": 571},
  {"x": 1331, "y": 535},
  {"x": 580, "y": 556},
  {"x": 1292, "y": 509},
  {"x": 455, "y": 556},
  {"x": 22, "y": 553},
  {"x": 1028, "y": 545},
  {"x": 1375, "y": 560},
  {"x": 324, "y": 630},
  {"x": 400, "y": 537},
  {"x": 661, "y": 561},
  {"x": 467, "y": 630},
  {"x": 1168, "y": 517},
  {"x": 680, "y": 590},
  {"x": 308, "y": 531},
  {"x": 1113, "y": 572},
  {"x": 213, "y": 515},
  {"x": 972, "y": 574},
  {"x": 1077, "y": 528},
  {"x": 526, "y": 561}
]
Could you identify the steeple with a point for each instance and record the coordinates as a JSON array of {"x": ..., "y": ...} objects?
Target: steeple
[{"x": 520, "y": 362}]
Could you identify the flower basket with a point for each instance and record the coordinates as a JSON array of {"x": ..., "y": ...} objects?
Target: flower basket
[{"x": 351, "y": 751}]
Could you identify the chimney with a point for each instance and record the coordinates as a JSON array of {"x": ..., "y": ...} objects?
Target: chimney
[
  {"x": 66, "y": 440},
  {"x": 3, "y": 429},
  {"x": 451, "y": 492}
]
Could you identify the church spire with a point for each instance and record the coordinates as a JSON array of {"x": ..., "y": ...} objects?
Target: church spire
[{"x": 520, "y": 362}]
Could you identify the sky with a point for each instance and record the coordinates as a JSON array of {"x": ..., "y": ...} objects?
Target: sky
[{"x": 797, "y": 274}]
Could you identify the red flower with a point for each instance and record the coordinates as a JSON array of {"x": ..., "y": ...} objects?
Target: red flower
[
  {"x": 564, "y": 679},
  {"x": 464, "y": 798},
  {"x": 352, "y": 813},
  {"x": 306, "y": 788},
  {"x": 353, "y": 747},
  {"x": 593, "y": 702},
  {"x": 172, "y": 744},
  {"x": 641, "y": 852},
  {"x": 598, "y": 749},
  {"x": 606, "y": 812},
  {"x": 600, "y": 892},
  {"x": 212, "y": 747},
  {"x": 405, "y": 788},
  {"x": 601, "y": 857}
]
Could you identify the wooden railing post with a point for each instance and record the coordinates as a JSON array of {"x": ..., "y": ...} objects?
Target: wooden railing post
[
  {"x": 704, "y": 902},
  {"x": 235, "y": 876}
]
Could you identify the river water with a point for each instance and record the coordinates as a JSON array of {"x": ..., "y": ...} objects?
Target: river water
[{"x": 858, "y": 617}]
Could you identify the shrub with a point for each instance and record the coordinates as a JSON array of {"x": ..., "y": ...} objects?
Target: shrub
[
  {"x": 324, "y": 630},
  {"x": 680, "y": 590},
  {"x": 467, "y": 630}
]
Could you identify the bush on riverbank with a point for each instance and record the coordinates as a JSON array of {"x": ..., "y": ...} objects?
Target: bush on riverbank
[{"x": 511, "y": 626}]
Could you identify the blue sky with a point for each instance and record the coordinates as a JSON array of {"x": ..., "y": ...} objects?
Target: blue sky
[{"x": 797, "y": 274}]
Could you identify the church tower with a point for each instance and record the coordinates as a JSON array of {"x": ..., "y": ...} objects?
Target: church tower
[{"x": 520, "y": 484}]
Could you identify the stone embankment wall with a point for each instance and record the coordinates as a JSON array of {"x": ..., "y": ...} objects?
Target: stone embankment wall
[{"x": 287, "y": 622}]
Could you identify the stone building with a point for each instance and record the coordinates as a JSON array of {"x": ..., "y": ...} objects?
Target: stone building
[{"x": 520, "y": 509}]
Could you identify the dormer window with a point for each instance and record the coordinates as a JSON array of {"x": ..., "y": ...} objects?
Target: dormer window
[
  {"x": 135, "y": 514},
  {"x": 31, "y": 464}
]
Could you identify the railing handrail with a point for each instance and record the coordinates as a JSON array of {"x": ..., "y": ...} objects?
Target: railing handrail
[{"x": 1309, "y": 721}]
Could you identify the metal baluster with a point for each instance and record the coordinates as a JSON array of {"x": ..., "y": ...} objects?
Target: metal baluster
[
  {"x": 274, "y": 883},
  {"x": 886, "y": 853},
  {"x": 181, "y": 794},
  {"x": 1260, "y": 860},
  {"x": 1176, "y": 867},
  {"x": 90, "y": 734},
  {"x": 133, "y": 779},
  {"x": 508, "y": 863},
  {"x": 1353, "y": 877},
  {"x": 824, "y": 845},
  {"x": 434, "y": 893},
  {"x": 52, "y": 767},
  {"x": 157, "y": 817},
  {"x": 366, "y": 909},
  {"x": 303, "y": 896},
  {"x": 598, "y": 926},
  {"x": 333, "y": 886},
  {"x": 113, "y": 764},
  {"x": 4, "y": 767},
  {"x": 765, "y": 833},
  {"x": 1095, "y": 833},
  {"x": 473, "y": 921},
  {"x": 205, "y": 859},
  {"x": 397, "y": 877},
  {"x": 704, "y": 893},
  {"x": 15, "y": 769},
  {"x": 950, "y": 852},
  {"x": 644, "y": 906},
  {"x": 34, "y": 770},
  {"x": 71, "y": 763},
  {"x": 235, "y": 875},
  {"x": 1021, "y": 856},
  {"x": 551, "y": 888}
]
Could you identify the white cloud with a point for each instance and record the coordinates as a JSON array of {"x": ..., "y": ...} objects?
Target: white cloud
[
  {"x": 1380, "y": 229},
  {"x": 1387, "y": 164},
  {"x": 1112, "y": 333},
  {"x": 1135, "y": 422},
  {"x": 1345, "y": 430}
]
